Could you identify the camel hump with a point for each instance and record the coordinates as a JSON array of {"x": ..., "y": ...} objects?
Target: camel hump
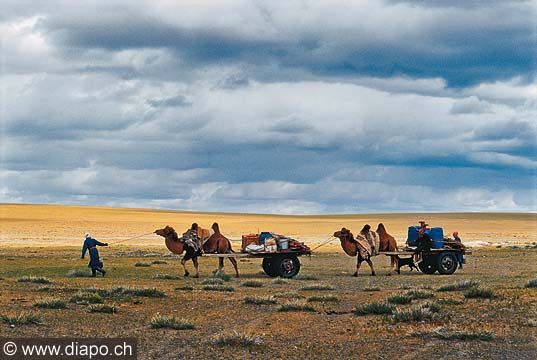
[{"x": 216, "y": 228}]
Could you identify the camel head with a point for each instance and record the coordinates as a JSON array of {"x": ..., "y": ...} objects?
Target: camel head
[
  {"x": 216, "y": 228},
  {"x": 344, "y": 234},
  {"x": 381, "y": 228},
  {"x": 168, "y": 231}
]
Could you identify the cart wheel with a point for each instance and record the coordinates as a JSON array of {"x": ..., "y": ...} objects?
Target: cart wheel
[
  {"x": 286, "y": 266},
  {"x": 428, "y": 266},
  {"x": 268, "y": 268},
  {"x": 447, "y": 263}
]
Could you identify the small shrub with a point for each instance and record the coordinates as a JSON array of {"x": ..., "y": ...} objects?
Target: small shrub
[
  {"x": 166, "y": 277},
  {"x": 327, "y": 298},
  {"x": 212, "y": 281},
  {"x": 289, "y": 295},
  {"x": 238, "y": 340},
  {"x": 159, "y": 262},
  {"x": 21, "y": 319},
  {"x": 531, "y": 283},
  {"x": 475, "y": 293},
  {"x": 51, "y": 304},
  {"x": 371, "y": 288},
  {"x": 416, "y": 313},
  {"x": 416, "y": 294},
  {"x": 257, "y": 300},
  {"x": 219, "y": 288},
  {"x": 170, "y": 322},
  {"x": 450, "y": 302},
  {"x": 400, "y": 299},
  {"x": 85, "y": 298},
  {"x": 45, "y": 289},
  {"x": 184, "y": 288},
  {"x": 76, "y": 273},
  {"x": 106, "y": 309},
  {"x": 296, "y": 307},
  {"x": 463, "y": 285},
  {"x": 305, "y": 277},
  {"x": 34, "y": 279},
  {"x": 252, "y": 283},
  {"x": 375, "y": 308},
  {"x": 280, "y": 281},
  {"x": 141, "y": 264},
  {"x": 145, "y": 292},
  {"x": 317, "y": 287},
  {"x": 446, "y": 334},
  {"x": 220, "y": 275}
]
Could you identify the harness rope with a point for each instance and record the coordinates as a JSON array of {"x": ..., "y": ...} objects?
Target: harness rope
[
  {"x": 132, "y": 238},
  {"x": 330, "y": 239}
]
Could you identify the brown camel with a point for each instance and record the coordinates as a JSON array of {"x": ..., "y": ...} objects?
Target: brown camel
[
  {"x": 177, "y": 245},
  {"x": 218, "y": 243},
  {"x": 387, "y": 243},
  {"x": 353, "y": 248}
]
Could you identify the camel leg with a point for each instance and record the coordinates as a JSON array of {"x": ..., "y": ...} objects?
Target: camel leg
[
  {"x": 395, "y": 262},
  {"x": 370, "y": 263},
  {"x": 358, "y": 263},
  {"x": 195, "y": 261},
  {"x": 183, "y": 262},
  {"x": 220, "y": 264},
  {"x": 234, "y": 262}
]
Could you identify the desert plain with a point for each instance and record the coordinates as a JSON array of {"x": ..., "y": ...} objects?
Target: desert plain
[{"x": 487, "y": 310}]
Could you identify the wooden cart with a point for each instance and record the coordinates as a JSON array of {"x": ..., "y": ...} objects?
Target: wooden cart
[
  {"x": 282, "y": 263},
  {"x": 443, "y": 260}
]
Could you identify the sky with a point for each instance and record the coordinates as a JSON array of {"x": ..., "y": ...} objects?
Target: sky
[{"x": 285, "y": 107}]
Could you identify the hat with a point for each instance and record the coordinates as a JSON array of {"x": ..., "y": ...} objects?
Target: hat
[
  {"x": 455, "y": 233},
  {"x": 88, "y": 235}
]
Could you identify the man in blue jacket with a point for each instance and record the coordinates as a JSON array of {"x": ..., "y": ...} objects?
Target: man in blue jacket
[{"x": 95, "y": 264}]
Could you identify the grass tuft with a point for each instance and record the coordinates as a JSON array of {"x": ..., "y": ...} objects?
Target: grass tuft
[
  {"x": 289, "y": 295},
  {"x": 166, "y": 277},
  {"x": 400, "y": 299},
  {"x": 417, "y": 294},
  {"x": 141, "y": 264},
  {"x": 479, "y": 293},
  {"x": 105, "y": 309},
  {"x": 34, "y": 279},
  {"x": 531, "y": 283},
  {"x": 369, "y": 288},
  {"x": 416, "y": 313},
  {"x": 327, "y": 298},
  {"x": 145, "y": 292},
  {"x": 21, "y": 319},
  {"x": 375, "y": 308},
  {"x": 220, "y": 275},
  {"x": 237, "y": 339},
  {"x": 252, "y": 283},
  {"x": 51, "y": 303},
  {"x": 446, "y": 334},
  {"x": 184, "y": 288},
  {"x": 259, "y": 300},
  {"x": 86, "y": 298},
  {"x": 463, "y": 285},
  {"x": 296, "y": 307},
  {"x": 212, "y": 281},
  {"x": 159, "y": 262},
  {"x": 317, "y": 287},
  {"x": 170, "y": 322},
  {"x": 219, "y": 288},
  {"x": 450, "y": 302},
  {"x": 77, "y": 273}
]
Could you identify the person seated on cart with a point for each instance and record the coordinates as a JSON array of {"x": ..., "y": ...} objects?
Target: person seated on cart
[
  {"x": 460, "y": 256},
  {"x": 423, "y": 242}
]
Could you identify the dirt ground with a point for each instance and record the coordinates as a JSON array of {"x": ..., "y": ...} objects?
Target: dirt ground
[{"x": 44, "y": 241}]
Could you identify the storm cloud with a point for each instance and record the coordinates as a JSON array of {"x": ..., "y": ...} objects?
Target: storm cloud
[{"x": 270, "y": 107}]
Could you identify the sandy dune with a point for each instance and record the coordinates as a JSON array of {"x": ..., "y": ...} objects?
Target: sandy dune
[{"x": 50, "y": 225}]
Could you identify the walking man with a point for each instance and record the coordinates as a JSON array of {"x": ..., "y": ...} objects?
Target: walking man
[{"x": 95, "y": 264}]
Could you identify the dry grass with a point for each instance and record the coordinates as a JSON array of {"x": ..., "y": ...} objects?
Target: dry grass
[
  {"x": 34, "y": 279},
  {"x": 170, "y": 322},
  {"x": 51, "y": 303},
  {"x": 375, "y": 308}
]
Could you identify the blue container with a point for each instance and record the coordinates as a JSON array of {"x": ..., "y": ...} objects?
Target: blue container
[
  {"x": 412, "y": 235},
  {"x": 437, "y": 235},
  {"x": 263, "y": 236}
]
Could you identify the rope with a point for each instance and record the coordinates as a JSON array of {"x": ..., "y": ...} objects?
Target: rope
[
  {"x": 132, "y": 238},
  {"x": 330, "y": 239}
]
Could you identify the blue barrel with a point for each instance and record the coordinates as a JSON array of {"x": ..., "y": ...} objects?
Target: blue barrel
[
  {"x": 263, "y": 236},
  {"x": 412, "y": 235},
  {"x": 437, "y": 235}
]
